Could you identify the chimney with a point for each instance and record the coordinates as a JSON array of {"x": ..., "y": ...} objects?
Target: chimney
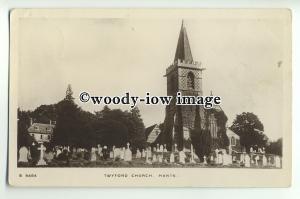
[{"x": 50, "y": 122}]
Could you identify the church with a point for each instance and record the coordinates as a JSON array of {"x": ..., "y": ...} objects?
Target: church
[{"x": 185, "y": 75}]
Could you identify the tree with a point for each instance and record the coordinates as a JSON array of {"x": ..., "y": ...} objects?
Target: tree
[
  {"x": 24, "y": 139},
  {"x": 73, "y": 126},
  {"x": 109, "y": 133},
  {"x": 137, "y": 132},
  {"x": 131, "y": 120},
  {"x": 202, "y": 142},
  {"x": 45, "y": 113},
  {"x": 250, "y": 129},
  {"x": 275, "y": 147},
  {"x": 69, "y": 93},
  {"x": 201, "y": 138}
]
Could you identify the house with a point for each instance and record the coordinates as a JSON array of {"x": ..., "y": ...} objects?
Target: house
[
  {"x": 41, "y": 132},
  {"x": 234, "y": 141}
]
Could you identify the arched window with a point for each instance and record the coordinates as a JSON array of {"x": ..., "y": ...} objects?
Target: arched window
[
  {"x": 232, "y": 141},
  {"x": 190, "y": 81}
]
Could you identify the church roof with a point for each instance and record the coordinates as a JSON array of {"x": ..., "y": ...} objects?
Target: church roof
[
  {"x": 183, "y": 50},
  {"x": 153, "y": 134},
  {"x": 149, "y": 129}
]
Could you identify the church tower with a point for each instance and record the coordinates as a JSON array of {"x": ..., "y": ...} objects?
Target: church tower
[{"x": 183, "y": 75}]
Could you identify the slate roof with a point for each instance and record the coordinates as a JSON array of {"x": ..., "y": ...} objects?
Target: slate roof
[
  {"x": 183, "y": 50},
  {"x": 152, "y": 136},
  {"x": 41, "y": 128}
]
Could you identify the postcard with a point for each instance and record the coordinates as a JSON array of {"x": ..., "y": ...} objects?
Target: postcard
[{"x": 150, "y": 97}]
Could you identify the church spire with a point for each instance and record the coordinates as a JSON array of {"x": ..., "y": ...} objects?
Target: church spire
[{"x": 183, "y": 51}]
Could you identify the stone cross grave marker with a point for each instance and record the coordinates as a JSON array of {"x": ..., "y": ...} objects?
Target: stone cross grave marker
[
  {"x": 41, "y": 161},
  {"x": 128, "y": 153}
]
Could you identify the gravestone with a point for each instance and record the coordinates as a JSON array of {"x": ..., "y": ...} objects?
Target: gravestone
[
  {"x": 212, "y": 159},
  {"x": 111, "y": 154},
  {"x": 264, "y": 161},
  {"x": 217, "y": 156},
  {"x": 175, "y": 147},
  {"x": 154, "y": 159},
  {"x": 251, "y": 150},
  {"x": 23, "y": 154},
  {"x": 242, "y": 157},
  {"x": 122, "y": 153},
  {"x": 233, "y": 158},
  {"x": 154, "y": 149},
  {"x": 149, "y": 150},
  {"x": 205, "y": 161},
  {"x": 49, "y": 156},
  {"x": 256, "y": 160},
  {"x": 138, "y": 154},
  {"x": 220, "y": 158},
  {"x": 58, "y": 152},
  {"x": 277, "y": 162},
  {"x": 165, "y": 148},
  {"x": 148, "y": 161},
  {"x": 41, "y": 161},
  {"x": 117, "y": 153},
  {"x": 192, "y": 160},
  {"x": 99, "y": 151},
  {"x": 143, "y": 153},
  {"x": 160, "y": 158},
  {"x": 172, "y": 158},
  {"x": 227, "y": 159},
  {"x": 269, "y": 161},
  {"x": 128, "y": 154},
  {"x": 247, "y": 161},
  {"x": 93, "y": 155},
  {"x": 105, "y": 153},
  {"x": 182, "y": 157}
]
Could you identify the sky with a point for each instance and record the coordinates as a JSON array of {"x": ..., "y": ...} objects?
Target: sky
[{"x": 243, "y": 56}]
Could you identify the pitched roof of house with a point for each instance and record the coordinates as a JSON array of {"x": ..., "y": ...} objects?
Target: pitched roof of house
[
  {"x": 183, "y": 50},
  {"x": 230, "y": 133},
  {"x": 41, "y": 128}
]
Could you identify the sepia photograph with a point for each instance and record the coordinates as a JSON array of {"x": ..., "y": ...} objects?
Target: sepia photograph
[{"x": 163, "y": 92}]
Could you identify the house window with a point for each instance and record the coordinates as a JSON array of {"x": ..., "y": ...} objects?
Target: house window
[
  {"x": 190, "y": 81},
  {"x": 49, "y": 137},
  {"x": 41, "y": 136},
  {"x": 233, "y": 141}
]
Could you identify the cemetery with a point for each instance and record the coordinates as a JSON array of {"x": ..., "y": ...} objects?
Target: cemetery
[{"x": 150, "y": 157}]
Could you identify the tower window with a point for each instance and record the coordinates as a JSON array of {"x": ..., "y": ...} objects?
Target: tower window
[{"x": 190, "y": 81}]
